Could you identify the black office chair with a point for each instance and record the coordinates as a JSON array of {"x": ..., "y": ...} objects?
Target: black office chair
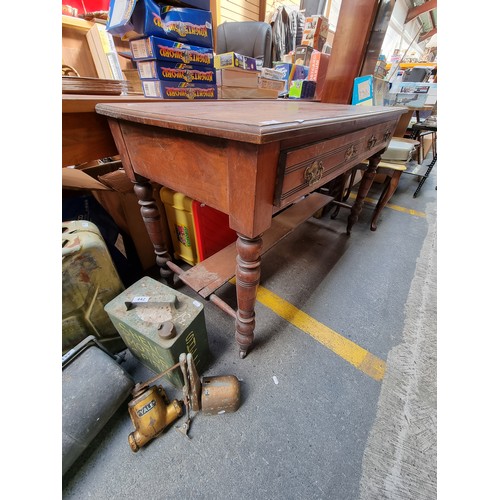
[{"x": 248, "y": 38}]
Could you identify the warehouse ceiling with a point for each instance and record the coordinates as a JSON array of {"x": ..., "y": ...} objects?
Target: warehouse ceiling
[{"x": 425, "y": 12}]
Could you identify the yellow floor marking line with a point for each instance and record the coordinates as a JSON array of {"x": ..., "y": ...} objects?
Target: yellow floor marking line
[
  {"x": 368, "y": 363},
  {"x": 394, "y": 207}
]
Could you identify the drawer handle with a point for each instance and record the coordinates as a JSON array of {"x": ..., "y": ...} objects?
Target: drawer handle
[
  {"x": 372, "y": 141},
  {"x": 313, "y": 172},
  {"x": 387, "y": 135},
  {"x": 351, "y": 151}
]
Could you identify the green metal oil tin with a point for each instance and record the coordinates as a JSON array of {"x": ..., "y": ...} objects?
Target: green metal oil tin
[
  {"x": 158, "y": 323},
  {"x": 89, "y": 281}
]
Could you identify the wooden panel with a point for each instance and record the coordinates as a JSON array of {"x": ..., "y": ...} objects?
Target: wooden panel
[
  {"x": 76, "y": 52},
  {"x": 236, "y": 16},
  {"x": 239, "y": 10},
  {"x": 302, "y": 168},
  {"x": 175, "y": 158},
  {"x": 241, "y": 6},
  {"x": 349, "y": 46},
  {"x": 89, "y": 139}
]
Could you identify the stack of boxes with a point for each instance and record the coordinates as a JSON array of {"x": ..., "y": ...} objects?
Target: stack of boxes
[
  {"x": 239, "y": 77},
  {"x": 171, "y": 46},
  {"x": 305, "y": 75},
  {"x": 290, "y": 72}
]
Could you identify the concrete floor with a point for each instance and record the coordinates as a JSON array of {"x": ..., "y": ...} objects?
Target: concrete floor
[{"x": 314, "y": 423}]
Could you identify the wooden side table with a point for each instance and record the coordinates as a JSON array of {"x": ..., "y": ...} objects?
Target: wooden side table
[{"x": 250, "y": 159}]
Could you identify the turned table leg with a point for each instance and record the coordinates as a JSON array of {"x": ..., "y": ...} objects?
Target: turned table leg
[
  {"x": 151, "y": 216},
  {"x": 247, "y": 281},
  {"x": 365, "y": 185}
]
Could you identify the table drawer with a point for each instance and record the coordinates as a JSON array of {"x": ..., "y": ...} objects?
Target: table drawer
[{"x": 303, "y": 169}]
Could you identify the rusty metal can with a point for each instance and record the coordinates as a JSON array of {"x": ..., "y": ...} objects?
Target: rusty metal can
[
  {"x": 220, "y": 394},
  {"x": 158, "y": 323}
]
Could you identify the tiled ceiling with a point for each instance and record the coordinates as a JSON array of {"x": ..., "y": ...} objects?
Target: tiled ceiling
[{"x": 425, "y": 13}]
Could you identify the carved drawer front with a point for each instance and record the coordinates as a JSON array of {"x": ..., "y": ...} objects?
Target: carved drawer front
[{"x": 303, "y": 169}]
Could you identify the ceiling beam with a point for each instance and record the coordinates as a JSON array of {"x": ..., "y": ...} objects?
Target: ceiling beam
[
  {"x": 427, "y": 35},
  {"x": 420, "y": 9}
]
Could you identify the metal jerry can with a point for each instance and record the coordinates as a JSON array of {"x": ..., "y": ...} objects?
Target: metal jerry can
[
  {"x": 89, "y": 281},
  {"x": 158, "y": 323}
]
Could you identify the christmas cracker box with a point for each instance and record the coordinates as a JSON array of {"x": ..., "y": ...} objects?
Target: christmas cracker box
[
  {"x": 162, "y": 89},
  {"x": 162, "y": 49},
  {"x": 191, "y": 26},
  {"x": 179, "y": 72},
  {"x": 132, "y": 19}
]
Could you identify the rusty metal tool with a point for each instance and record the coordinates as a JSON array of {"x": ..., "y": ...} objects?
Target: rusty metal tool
[
  {"x": 138, "y": 388},
  {"x": 184, "y": 428},
  {"x": 194, "y": 383}
]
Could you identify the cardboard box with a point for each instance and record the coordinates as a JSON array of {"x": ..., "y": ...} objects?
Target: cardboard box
[
  {"x": 312, "y": 40},
  {"x": 154, "y": 47},
  {"x": 176, "y": 72},
  {"x": 236, "y": 77},
  {"x": 131, "y": 19},
  {"x": 318, "y": 67},
  {"x": 303, "y": 55},
  {"x": 289, "y": 72},
  {"x": 412, "y": 94},
  {"x": 114, "y": 191},
  {"x": 234, "y": 60},
  {"x": 302, "y": 89},
  {"x": 246, "y": 93},
  {"x": 270, "y": 73},
  {"x": 315, "y": 32},
  {"x": 316, "y": 24},
  {"x": 271, "y": 83},
  {"x": 162, "y": 89},
  {"x": 191, "y": 26},
  {"x": 103, "y": 50}
]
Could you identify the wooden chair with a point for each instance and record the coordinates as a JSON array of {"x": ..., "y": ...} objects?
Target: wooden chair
[{"x": 392, "y": 165}]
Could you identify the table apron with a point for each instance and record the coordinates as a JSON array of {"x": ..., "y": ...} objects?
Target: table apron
[{"x": 303, "y": 169}]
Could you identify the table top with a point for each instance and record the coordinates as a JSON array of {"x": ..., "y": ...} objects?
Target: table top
[{"x": 253, "y": 121}]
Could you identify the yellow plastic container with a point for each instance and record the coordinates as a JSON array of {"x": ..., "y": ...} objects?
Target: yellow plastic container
[
  {"x": 89, "y": 282},
  {"x": 179, "y": 210}
]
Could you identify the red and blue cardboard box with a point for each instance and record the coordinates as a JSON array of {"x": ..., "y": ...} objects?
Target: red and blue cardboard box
[
  {"x": 177, "y": 72},
  {"x": 132, "y": 19},
  {"x": 162, "y": 49},
  {"x": 165, "y": 89}
]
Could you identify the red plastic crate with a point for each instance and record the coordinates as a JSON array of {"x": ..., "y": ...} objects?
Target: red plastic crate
[{"x": 212, "y": 230}]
